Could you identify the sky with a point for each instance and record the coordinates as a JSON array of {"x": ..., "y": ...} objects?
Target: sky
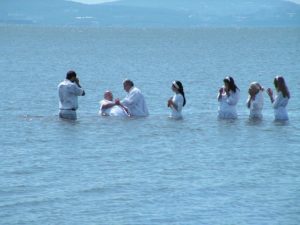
[
  {"x": 105, "y": 1},
  {"x": 295, "y": 1},
  {"x": 153, "y": 13},
  {"x": 90, "y": 2}
]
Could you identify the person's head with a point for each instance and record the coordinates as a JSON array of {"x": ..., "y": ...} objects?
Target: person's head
[
  {"x": 177, "y": 87},
  {"x": 280, "y": 86},
  {"x": 108, "y": 95},
  {"x": 254, "y": 88},
  {"x": 229, "y": 84},
  {"x": 127, "y": 84},
  {"x": 71, "y": 75}
]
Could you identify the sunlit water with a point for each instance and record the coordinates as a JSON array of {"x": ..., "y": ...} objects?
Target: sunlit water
[{"x": 153, "y": 170}]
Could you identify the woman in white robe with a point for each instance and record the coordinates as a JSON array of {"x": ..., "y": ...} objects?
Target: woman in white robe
[
  {"x": 228, "y": 98},
  {"x": 177, "y": 102},
  {"x": 255, "y": 100},
  {"x": 281, "y": 100}
]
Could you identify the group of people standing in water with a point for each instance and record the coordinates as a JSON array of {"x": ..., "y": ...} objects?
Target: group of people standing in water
[
  {"x": 134, "y": 104},
  {"x": 228, "y": 98}
]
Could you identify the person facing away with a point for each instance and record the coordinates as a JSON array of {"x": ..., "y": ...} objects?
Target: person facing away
[
  {"x": 134, "y": 101},
  {"x": 255, "y": 100},
  {"x": 68, "y": 92},
  {"x": 228, "y": 98},
  {"x": 109, "y": 108},
  {"x": 177, "y": 102},
  {"x": 281, "y": 100}
]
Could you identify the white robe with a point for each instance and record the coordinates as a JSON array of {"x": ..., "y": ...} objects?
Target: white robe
[
  {"x": 68, "y": 93},
  {"x": 227, "y": 105},
  {"x": 256, "y": 106},
  {"x": 177, "y": 100},
  {"x": 135, "y": 103},
  {"x": 279, "y": 106},
  {"x": 112, "y": 111}
]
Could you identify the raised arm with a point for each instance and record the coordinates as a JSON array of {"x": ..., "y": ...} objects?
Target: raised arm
[
  {"x": 270, "y": 93},
  {"x": 233, "y": 98},
  {"x": 220, "y": 94}
]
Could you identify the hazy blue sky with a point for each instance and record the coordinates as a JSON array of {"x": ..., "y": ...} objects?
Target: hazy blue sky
[
  {"x": 94, "y": 1},
  {"x": 296, "y": 1},
  {"x": 152, "y": 13},
  {"x": 104, "y": 1}
]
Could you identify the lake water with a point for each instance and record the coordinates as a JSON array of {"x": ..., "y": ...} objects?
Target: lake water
[{"x": 153, "y": 170}]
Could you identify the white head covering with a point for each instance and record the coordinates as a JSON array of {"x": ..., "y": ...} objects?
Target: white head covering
[{"x": 175, "y": 84}]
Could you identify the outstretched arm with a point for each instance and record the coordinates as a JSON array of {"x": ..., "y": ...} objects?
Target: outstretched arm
[
  {"x": 78, "y": 90},
  {"x": 220, "y": 94},
  {"x": 107, "y": 105},
  {"x": 270, "y": 93}
]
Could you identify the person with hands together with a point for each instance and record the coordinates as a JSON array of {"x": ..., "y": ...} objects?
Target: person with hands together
[
  {"x": 280, "y": 101},
  {"x": 228, "y": 98},
  {"x": 178, "y": 101}
]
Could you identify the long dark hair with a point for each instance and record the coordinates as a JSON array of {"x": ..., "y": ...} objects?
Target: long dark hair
[
  {"x": 180, "y": 89},
  {"x": 280, "y": 85},
  {"x": 230, "y": 81}
]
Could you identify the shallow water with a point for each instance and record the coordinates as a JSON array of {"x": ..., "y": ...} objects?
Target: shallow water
[{"x": 153, "y": 170}]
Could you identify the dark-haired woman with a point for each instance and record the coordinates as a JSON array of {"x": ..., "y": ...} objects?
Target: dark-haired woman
[
  {"x": 281, "y": 100},
  {"x": 228, "y": 98},
  {"x": 177, "y": 101}
]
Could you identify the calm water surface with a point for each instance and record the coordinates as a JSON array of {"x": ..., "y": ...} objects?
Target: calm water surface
[{"x": 153, "y": 170}]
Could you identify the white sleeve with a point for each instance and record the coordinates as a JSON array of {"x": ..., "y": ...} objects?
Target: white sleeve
[
  {"x": 131, "y": 98},
  {"x": 76, "y": 90}
]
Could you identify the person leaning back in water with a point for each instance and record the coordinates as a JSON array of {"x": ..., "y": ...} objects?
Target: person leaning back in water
[{"x": 109, "y": 108}]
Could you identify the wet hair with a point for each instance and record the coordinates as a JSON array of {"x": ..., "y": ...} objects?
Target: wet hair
[
  {"x": 70, "y": 74},
  {"x": 180, "y": 90},
  {"x": 129, "y": 82},
  {"x": 280, "y": 85},
  {"x": 257, "y": 86},
  {"x": 229, "y": 80}
]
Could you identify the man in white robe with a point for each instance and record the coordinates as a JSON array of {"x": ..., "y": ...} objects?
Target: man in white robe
[
  {"x": 68, "y": 92},
  {"x": 134, "y": 101}
]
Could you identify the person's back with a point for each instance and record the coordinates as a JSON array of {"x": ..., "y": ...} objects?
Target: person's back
[{"x": 68, "y": 92}]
